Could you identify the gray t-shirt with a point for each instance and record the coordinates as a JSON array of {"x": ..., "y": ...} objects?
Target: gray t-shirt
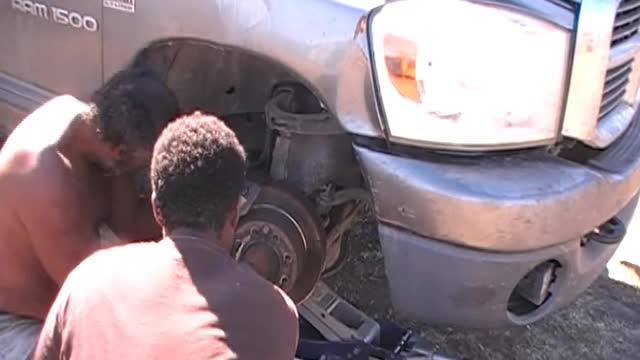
[{"x": 168, "y": 300}]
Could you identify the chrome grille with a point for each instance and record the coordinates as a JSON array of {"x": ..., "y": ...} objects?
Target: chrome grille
[
  {"x": 614, "y": 87},
  {"x": 614, "y": 70},
  {"x": 626, "y": 22},
  {"x": 627, "y": 18},
  {"x": 625, "y": 26}
]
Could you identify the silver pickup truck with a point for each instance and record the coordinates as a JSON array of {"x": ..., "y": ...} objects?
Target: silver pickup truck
[{"x": 497, "y": 142}]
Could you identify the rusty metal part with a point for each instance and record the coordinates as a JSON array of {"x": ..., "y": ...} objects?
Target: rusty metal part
[
  {"x": 271, "y": 240},
  {"x": 335, "y": 244},
  {"x": 345, "y": 224},
  {"x": 264, "y": 259},
  {"x": 293, "y": 109},
  {"x": 310, "y": 150},
  {"x": 282, "y": 239},
  {"x": 329, "y": 198}
]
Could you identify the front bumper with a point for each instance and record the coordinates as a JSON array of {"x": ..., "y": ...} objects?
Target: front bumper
[
  {"x": 444, "y": 284},
  {"x": 503, "y": 203},
  {"x": 459, "y": 234}
]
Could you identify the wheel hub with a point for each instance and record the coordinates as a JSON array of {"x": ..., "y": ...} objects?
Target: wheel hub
[
  {"x": 268, "y": 247},
  {"x": 282, "y": 239}
]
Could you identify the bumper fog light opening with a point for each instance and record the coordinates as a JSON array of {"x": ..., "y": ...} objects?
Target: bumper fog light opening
[{"x": 533, "y": 290}]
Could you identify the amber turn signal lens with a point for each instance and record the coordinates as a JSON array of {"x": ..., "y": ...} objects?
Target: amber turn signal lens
[{"x": 400, "y": 60}]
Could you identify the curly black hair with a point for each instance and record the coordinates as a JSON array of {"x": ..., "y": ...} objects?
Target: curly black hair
[
  {"x": 133, "y": 107},
  {"x": 197, "y": 173}
]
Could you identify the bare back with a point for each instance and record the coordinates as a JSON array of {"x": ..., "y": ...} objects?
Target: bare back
[{"x": 51, "y": 208}]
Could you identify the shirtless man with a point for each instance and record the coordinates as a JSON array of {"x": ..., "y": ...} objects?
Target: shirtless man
[
  {"x": 56, "y": 199},
  {"x": 184, "y": 297}
]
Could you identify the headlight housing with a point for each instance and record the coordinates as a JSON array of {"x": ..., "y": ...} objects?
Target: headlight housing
[{"x": 459, "y": 74}]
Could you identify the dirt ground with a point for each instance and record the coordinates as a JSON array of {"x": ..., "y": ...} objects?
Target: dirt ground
[{"x": 603, "y": 323}]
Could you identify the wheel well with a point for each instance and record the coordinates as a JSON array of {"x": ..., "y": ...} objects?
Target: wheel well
[
  {"x": 237, "y": 86},
  {"x": 213, "y": 78},
  {"x": 228, "y": 82}
]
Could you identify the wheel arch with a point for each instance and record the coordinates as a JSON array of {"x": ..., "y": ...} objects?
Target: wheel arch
[{"x": 217, "y": 78}]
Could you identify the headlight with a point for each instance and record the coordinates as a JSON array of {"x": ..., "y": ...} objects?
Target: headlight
[{"x": 458, "y": 74}]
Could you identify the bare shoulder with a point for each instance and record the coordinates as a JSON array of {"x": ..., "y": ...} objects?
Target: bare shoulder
[
  {"x": 45, "y": 126},
  {"x": 35, "y": 177},
  {"x": 54, "y": 116},
  {"x": 46, "y": 190},
  {"x": 31, "y": 148},
  {"x": 48, "y": 175}
]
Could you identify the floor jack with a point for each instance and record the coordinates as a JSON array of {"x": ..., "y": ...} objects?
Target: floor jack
[{"x": 333, "y": 329}]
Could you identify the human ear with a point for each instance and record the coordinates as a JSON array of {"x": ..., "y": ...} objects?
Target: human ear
[
  {"x": 156, "y": 213},
  {"x": 234, "y": 216},
  {"x": 116, "y": 152}
]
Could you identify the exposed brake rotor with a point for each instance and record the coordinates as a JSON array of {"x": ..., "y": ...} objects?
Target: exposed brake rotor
[{"x": 282, "y": 238}]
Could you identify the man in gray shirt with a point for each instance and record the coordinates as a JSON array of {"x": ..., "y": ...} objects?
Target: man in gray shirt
[{"x": 184, "y": 297}]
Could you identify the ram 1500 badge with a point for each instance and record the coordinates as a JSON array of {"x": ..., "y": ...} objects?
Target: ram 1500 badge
[{"x": 56, "y": 14}]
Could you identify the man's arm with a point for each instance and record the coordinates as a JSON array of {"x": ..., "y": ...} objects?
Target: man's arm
[
  {"x": 131, "y": 214},
  {"x": 278, "y": 328},
  {"x": 287, "y": 326},
  {"x": 61, "y": 232}
]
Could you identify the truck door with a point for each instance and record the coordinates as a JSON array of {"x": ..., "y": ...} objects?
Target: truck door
[{"x": 48, "y": 47}]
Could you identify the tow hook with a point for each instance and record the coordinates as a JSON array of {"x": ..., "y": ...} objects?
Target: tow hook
[{"x": 609, "y": 233}]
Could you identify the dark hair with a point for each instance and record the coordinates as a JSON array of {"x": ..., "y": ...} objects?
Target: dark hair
[
  {"x": 133, "y": 107},
  {"x": 197, "y": 173}
]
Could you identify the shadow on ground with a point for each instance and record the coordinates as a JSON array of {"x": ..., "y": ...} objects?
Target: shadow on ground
[{"x": 603, "y": 323}]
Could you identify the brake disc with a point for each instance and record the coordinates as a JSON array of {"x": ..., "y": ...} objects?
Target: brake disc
[{"x": 282, "y": 239}]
